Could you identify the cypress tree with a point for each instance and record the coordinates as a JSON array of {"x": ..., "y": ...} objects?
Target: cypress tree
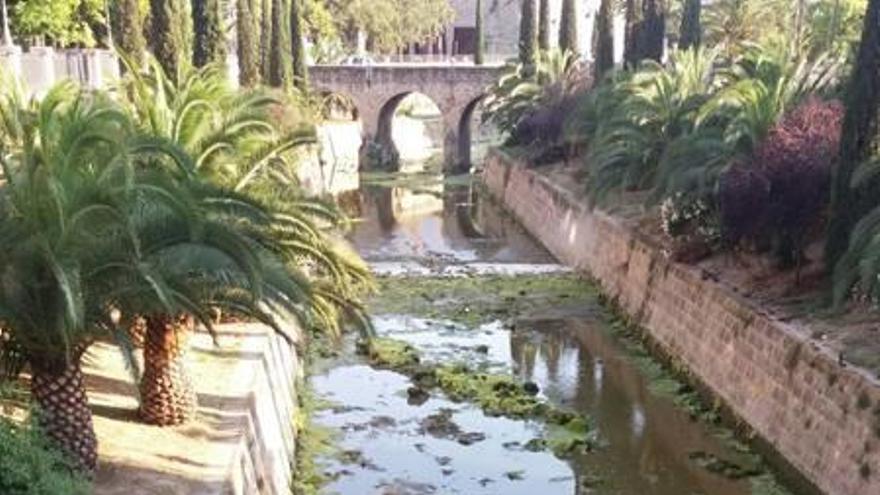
[
  {"x": 209, "y": 41},
  {"x": 127, "y": 23},
  {"x": 481, "y": 42},
  {"x": 690, "y": 33},
  {"x": 265, "y": 38},
  {"x": 568, "y": 35},
  {"x": 248, "y": 45},
  {"x": 166, "y": 34},
  {"x": 297, "y": 46},
  {"x": 544, "y": 25},
  {"x": 528, "y": 38},
  {"x": 630, "y": 34},
  {"x": 603, "y": 41},
  {"x": 278, "y": 48},
  {"x": 651, "y": 32},
  {"x": 860, "y": 137}
]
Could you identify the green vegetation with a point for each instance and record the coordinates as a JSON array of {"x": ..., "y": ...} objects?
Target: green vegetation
[
  {"x": 481, "y": 35},
  {"x": 475, "y": 300},
  {"x": 209, "y": 42},
  {"x": 167, "y": 34},
  {"x": 30, "y": 466},
  {"x": 603, "y": 41},
  {"x": 544, "y": 25},
  {"x": 690, "y": 32},
  {"x": 248, "y": 44},
  {"x": 528, "y": 38},
  {"x": 855, "y": 202},
  {"x": 312, "y": 441},
  {"x": 266, "y": 26},
  {"x": 669, "y": 379},
  {"x": 297, "y": 46},
  {"x": 497, "y": 394},
  {"x": 127, "y": 22},
  {"x": 143, "y": 211},
  {"x": 568, "y": 32},
  {"x": 390, "y": 354},
  {"x": 531, "y": 104},
  {"x": 279, "y": 53},
  {"x": 59, "y": 22}
]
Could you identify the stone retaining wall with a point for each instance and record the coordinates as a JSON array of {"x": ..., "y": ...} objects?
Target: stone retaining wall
[
  {"x": 823, "y": 418},
  {"x": 242, "y": 441}
]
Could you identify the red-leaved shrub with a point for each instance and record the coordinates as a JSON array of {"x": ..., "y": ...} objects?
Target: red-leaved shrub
[{"x": 781, "y": 193}]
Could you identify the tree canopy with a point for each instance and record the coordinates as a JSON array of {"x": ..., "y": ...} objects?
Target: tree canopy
[
  {"x": 388, "y": 24},
  {"x": 59, "y": 22}
]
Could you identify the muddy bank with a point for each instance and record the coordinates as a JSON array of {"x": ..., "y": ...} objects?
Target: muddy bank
[{"x": 822, "y": 417}]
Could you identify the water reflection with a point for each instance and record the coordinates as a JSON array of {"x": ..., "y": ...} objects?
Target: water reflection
[
  {"x": 648, "y": 440},
  {"x": 435, "y": 220}
]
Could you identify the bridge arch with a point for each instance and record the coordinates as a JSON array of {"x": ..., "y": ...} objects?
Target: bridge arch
[
  {"x": 377, "y": 90},
  {"x": 465, "y": 130}
]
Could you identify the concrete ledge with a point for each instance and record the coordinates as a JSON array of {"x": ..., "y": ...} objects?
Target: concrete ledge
[
  {"x": 824, "y": 419},
  {"x": 242, "y": 441}
]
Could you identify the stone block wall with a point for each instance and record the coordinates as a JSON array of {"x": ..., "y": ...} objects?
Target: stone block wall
[
  {"x": 823, "y": 418},
  {"x": 243, "y": 439}
]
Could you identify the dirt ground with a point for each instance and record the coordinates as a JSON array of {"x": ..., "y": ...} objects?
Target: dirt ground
[{"x": 853, "y": 334}]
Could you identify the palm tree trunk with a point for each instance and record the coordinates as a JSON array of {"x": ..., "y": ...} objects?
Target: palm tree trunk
[
  {"x": 168, "y": 396},
  {"x": 63, "y": 412}
]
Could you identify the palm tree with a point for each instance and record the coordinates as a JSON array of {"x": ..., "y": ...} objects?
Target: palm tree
[
  {"x": 207, "y": 248},
  {"x": 236, "y": 146},
  {"x": 70, "y": 177}
]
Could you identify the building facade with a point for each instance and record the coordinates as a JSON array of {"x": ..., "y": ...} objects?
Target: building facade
[{"x": 501, "y": 19}]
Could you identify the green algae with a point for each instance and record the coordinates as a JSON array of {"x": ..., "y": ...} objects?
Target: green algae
[
  {"x": 312, "y": 442},
  {"x": 567, "y": 432},
  {"x": 390, "y": 354},
  {"x": 476, "y": 300},
  {"x": 496, "y": 394},
  {"x": 672, "y": 380}
]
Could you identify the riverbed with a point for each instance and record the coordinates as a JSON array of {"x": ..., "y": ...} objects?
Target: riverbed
[{"x": 465, "y": 286}]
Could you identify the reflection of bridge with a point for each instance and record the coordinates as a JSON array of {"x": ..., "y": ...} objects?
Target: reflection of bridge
[{"x": 376, "y": 90}]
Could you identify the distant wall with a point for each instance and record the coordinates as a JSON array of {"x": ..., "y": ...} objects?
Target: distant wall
[
  {"x": 823, "y": 418},
  {"x": 39, "y": 68}
]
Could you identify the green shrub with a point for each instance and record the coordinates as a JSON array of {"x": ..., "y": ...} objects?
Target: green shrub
[{"x": 29, "y": 467}]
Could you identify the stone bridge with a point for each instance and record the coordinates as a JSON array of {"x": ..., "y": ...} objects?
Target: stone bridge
[{"x": 376, "y": 90}]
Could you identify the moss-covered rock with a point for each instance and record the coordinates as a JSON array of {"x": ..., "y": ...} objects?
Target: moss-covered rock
[
  {"x": 497, "y": 394},
  {"x": 476, "y": 300}
]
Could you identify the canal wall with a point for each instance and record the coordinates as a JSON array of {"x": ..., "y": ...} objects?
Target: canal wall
[
  {"x": 821, "y": 417},
  {"x": 242, "y": 440}
]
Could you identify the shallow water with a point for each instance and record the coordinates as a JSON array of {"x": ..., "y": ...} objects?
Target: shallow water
[{"x": 389, "y": 444}]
